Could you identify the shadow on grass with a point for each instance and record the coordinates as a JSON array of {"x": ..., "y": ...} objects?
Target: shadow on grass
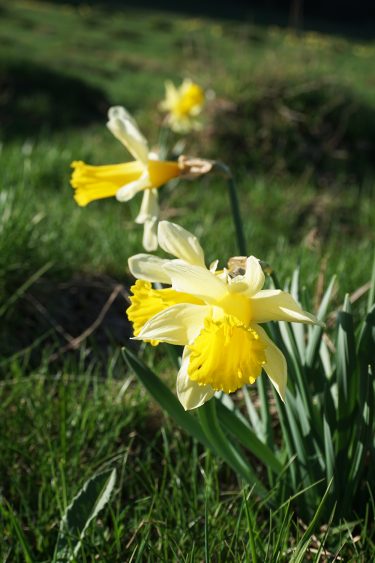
[
  {"x": 316, "y": 128},
  {"x": 36, "y": 99},
  {"x": 52, "y": 323}
]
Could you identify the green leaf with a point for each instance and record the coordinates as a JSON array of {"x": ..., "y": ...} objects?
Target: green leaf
[
  {"x": 90, "y": 500},
  {"x": 164, "y": 397},
  {"x": 314, "y": 340},
  {"x": 371, "y": 293},
  {"x": 224, "y": 447},
  {"x": 298, "y": 328},
  {"x": 345, "y": 367},
  {"x": 248, "y": 438},
  {"x": 301, "y": 548}
]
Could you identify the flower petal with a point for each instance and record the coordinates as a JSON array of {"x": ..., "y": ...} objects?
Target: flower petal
[
  {"x": 149, "y": 268},
  {"x": 179, "y": 324},
  {"x": 196, "y": 281},
  {"x": 180, "y": 243},
  {"x": 190, "y": 394},
  {"x": 150, "y": 237},
  {"x": 276, "y": 305},
  {"x": 149, "y": 207},
  {"x": 128, "y": 191},
  {"x": 254, "y": 275},
  {"x": 125, "y": 129},
  {"x": 275, "y": 366}
]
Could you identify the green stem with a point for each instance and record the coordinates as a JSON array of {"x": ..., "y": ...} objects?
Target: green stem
[{"x": 236, "y": 214}]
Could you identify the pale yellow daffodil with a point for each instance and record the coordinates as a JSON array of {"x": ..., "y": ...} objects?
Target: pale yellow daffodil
[
  {"x": 123, "y": 181},
  {"x": 183, "y": 105},
  {"x": 215, "y": 315}
]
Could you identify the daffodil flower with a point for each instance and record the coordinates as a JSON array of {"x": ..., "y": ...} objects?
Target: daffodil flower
[
  {"x": 145, "y": 174},
  {"x": 216, "y": 315},
  {"x": 183, "y": 105}
]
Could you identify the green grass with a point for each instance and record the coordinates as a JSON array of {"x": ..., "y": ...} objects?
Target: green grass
[
  {"x": 65, "y": 413},
  {"x": 58, "y": 430}
]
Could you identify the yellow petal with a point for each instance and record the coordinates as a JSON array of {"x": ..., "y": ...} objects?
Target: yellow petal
[
  {"x": 179, "y": 324},
  {"x": 275, "y": 366},
  {"x": 97, "y": 182},
  {"x": 180, "y": 243},
  {"x": 276, "y": 305},
  {"x": 191, "y": 395}
]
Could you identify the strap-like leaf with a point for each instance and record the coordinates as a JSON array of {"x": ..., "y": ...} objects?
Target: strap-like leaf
[
  {"x": 162, "y": 395},
  {"x": 248, "y": 438},
  {"x": 314, "y": 340}
]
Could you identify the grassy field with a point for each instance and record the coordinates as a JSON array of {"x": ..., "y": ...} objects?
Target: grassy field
[{"x": 293, "y": 115}]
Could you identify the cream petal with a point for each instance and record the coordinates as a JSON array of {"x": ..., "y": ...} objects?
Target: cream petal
[
  {"x": 127, "y": 192},
  {"x": 149, "y": 268},
  {"x": 254, "y": 275},
  {"x": 196, "y": 281},
  {"x": 179, "y": 324},
  {"x": 276, "y": 305},
  {"x": 190, "y": 394},
  {"x": 122, "y": 113},
  {"x": 149, "y": 207},
  {"x": 150, "y": 237},
  {"x": 180, "y": 243},
  {"x": 275, "y": 366},
  {"x": 125, "y": 129},
  {"x": 251, "y": 281}
]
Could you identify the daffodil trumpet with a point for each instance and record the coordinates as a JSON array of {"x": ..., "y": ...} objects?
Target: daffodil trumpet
[
  {"x": 145, "y": 174},
  {"x": 215, "y": 314}
]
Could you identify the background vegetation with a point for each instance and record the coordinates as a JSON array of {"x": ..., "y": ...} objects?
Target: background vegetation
[{"x": 293, "y": 115}]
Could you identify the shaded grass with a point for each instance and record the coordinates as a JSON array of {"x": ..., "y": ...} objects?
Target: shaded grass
[{"x": 59, "y": 430}]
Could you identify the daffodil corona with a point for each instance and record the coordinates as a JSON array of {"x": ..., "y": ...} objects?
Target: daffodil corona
[
  {"x": 216, "y": 315},
  {"x": 183, "y": 105},
  {"x": 145, "y": 174}
]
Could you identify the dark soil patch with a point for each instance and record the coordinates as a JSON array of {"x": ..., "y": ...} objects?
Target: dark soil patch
[{"x": 86, "y": 311}]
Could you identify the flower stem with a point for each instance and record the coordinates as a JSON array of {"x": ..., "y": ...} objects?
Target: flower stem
[{"x": 236, "y": 214}]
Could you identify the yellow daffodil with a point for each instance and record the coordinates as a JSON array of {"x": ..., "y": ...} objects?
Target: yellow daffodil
[
  {"x": 183, "y": 105},
  {"x": 145, "y": 174},
  {"x": 216, "y": 315}
]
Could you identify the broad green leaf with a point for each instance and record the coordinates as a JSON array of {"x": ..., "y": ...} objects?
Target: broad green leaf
[
  {"x": 314, "y": 340},
  {"x": 345, "y": 376},
  {"x": 90, "y": 500},
  {"x": 247, "y": 438},
  {"x": 163, "y": 395},
  {"x": 298, "y": 328},
  {"x": 371, "y": 293},
  {"x": 221, "y": 443}
]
